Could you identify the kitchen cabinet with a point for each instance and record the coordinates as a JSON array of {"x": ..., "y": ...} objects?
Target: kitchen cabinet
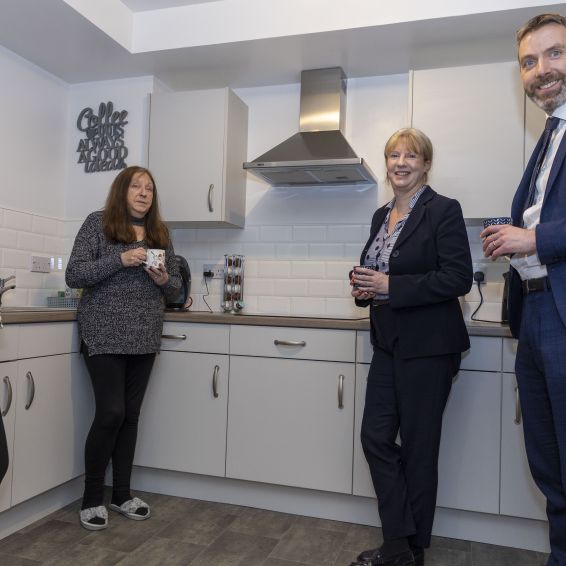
[
  {"x": 470, "y": 443},
  {"x": 54, "y": 410},
  {"x": 290, "y": 421},
  {"x": 8, "y": 375},
  {"x": 183, "y": 419},
  {"x": 197, "y": 145},
  {"x": 474, "y": 116},
  {"x": 520, "y": 497}
]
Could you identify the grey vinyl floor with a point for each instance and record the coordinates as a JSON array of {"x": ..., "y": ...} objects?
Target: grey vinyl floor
[{"x": 186, "y": 531}]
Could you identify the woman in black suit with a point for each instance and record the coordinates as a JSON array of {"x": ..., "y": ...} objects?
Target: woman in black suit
[{"x": 417, "y": 263}]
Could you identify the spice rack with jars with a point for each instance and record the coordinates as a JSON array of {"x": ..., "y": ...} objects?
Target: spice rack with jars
[{"x": 233, "y": 295}]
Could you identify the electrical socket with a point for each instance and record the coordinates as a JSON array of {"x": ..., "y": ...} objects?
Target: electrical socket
[
  {"x": 40, "y": 264},
  {"x": 217, "y": 270}
]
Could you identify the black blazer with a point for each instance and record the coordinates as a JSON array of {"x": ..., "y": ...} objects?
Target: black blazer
[{"x": 429, "y": 268}]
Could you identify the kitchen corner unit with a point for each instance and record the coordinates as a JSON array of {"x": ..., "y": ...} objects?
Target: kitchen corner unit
[{"x": 197, "y": 143}]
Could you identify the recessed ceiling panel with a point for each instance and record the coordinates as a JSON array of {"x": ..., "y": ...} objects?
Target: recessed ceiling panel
[{"x": 146, "y": 5}]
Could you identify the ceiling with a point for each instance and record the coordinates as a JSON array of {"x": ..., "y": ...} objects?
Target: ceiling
[
  {"x": 66, "y": 44},
  {"x": 145, "y": 5}
]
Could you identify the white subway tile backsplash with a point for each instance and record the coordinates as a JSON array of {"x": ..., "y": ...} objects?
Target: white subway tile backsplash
[
  {"x": 217, "y": 250},
  {"x": 8, "y": 238},
  {"x": 345, "y": 234},
  {"x": 290, "y": 287},
  {"x": 274, "y": 269},
  {"x": 326, "y": 288},
  {"x": 258, "y": 287},
  {"x": 338, "y": 269},
  {"x": 29, "y": 241},
  {"x": 276, "y": 233},
  {"x": 45, "y": 226},
  {"x": 258, "y": 250},
  {"x": 334, "y": 251},
  {"x": 275, "y": 305},
  {"x": 292, "y": 250},
  {"x": 308, "y": 305},
  {"x": 309, "y": 234},
  {"x": 308, "y": 269},
  {"x": 16, "y": 259},
  {"x": 17, "y": 220},
  {"x": 54, "y": 245}
]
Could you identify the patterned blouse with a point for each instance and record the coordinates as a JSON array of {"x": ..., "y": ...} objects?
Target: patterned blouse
[{"x": 379, "y": 252}]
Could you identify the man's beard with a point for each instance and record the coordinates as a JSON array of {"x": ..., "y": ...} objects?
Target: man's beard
[{"x": 548, "y": 103}]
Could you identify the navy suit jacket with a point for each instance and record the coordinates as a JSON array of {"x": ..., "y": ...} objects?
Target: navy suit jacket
[
  {"x": 550, "y": 235},
  {"x": 429, "y": 268}
]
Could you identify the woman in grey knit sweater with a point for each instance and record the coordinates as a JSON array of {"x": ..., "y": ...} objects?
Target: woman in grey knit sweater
[{"x": 120, "y": 317}]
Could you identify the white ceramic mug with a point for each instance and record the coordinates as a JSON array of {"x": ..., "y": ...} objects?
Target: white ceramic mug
[{"x": 155, "y": 258}]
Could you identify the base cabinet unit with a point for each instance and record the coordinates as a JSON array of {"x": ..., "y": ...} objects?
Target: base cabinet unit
[
  {"x": 291, "y": 406},
  {"x": 290, "y": 422},
  {"x": 8, "y": 380},
  {"x": 183, "y": 419},
  {"x": 470, "y": 444},
  {"x": 468, "y": 467},
  {"x": 197, "y": 145},
  {"x": 362, "y": 478},
  {"x": 520, "y": 497},
  {"x": 54, "y": 409}
]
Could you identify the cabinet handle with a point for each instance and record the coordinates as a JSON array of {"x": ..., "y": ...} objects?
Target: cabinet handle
[
  {"x": 289, "y": 343},
  {"x": 210, "y": 189},
  {"x": 215, "y": 381},
  {"x": 340, "y": 391},
  {"x": 173, "y": 336},
  {"x": 518, "y": 415},
  {"x": 31, "y": 389},
  {"x": 8, "y": 395}
]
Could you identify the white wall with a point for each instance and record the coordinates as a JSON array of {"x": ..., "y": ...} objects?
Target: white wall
[
  {"x": 87, "y": 191},
  {"x": 33, "y": 114}
]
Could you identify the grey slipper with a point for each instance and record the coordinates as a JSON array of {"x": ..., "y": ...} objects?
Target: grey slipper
[
  {"x": 94, "y": 518},
  {"x": 132, "y": 508}
]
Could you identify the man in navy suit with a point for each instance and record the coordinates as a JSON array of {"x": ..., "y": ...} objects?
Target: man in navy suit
[{"x": 537, "y": 279}]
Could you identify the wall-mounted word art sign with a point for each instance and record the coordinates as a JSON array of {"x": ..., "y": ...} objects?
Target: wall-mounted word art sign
[{"x": 102, "y": 148}]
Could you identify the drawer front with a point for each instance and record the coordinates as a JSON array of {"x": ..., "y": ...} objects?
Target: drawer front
[
  {"x": 509, "y": 353},
  {"x": 48, "y": 339},
  {"x": 9, "y": 342},
  {"x": 483, "y": 355},
  {"x": 192, "y": 337},
  {"x": 299, "y": 343},
  {"x": 364, "y": 349}
]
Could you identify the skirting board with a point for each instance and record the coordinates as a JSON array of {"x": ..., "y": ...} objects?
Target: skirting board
[{"x": 465, "y": 525}]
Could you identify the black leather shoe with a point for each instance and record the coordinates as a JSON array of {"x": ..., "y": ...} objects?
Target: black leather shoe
[
  {"x": 375, "y": 558},
  {"x": 367, "y": 555}
]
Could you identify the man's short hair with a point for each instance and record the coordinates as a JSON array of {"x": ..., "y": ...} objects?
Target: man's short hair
[{"x": 537, "y": 22}]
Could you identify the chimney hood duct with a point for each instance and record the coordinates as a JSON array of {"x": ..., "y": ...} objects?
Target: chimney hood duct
[{"x": 319, "y": 154}]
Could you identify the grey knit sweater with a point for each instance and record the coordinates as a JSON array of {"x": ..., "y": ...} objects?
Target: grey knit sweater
[{"x": 121, "y": 309}]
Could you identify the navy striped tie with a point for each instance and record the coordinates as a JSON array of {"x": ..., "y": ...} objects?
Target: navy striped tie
[{"x": 550, "y": 126}]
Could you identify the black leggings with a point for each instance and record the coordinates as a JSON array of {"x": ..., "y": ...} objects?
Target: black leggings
[{"x": 119, "y": 383}]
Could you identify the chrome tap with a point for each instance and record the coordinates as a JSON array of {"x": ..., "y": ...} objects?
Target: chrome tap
[{"x": 3, "y": 289}]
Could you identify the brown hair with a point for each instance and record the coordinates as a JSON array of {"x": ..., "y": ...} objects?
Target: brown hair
[
  {"x": 415, "y": 140},
  {"x": 116, "y": 217},
  {"x": 537, "y": 22}
]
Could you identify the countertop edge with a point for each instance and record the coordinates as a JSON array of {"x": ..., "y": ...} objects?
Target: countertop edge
[{"x": 28, "y": 315}]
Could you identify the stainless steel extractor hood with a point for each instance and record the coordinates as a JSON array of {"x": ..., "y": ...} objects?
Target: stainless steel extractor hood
[{"x": 319, "y": 154}]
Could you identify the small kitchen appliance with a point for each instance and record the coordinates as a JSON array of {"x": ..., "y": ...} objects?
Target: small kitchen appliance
[
  {"x": 233, "y": 295},
  {"x": 183, "y": 299}
]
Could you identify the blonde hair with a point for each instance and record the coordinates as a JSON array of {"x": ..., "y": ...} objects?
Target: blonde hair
[{"x": 415, "y": 140}]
